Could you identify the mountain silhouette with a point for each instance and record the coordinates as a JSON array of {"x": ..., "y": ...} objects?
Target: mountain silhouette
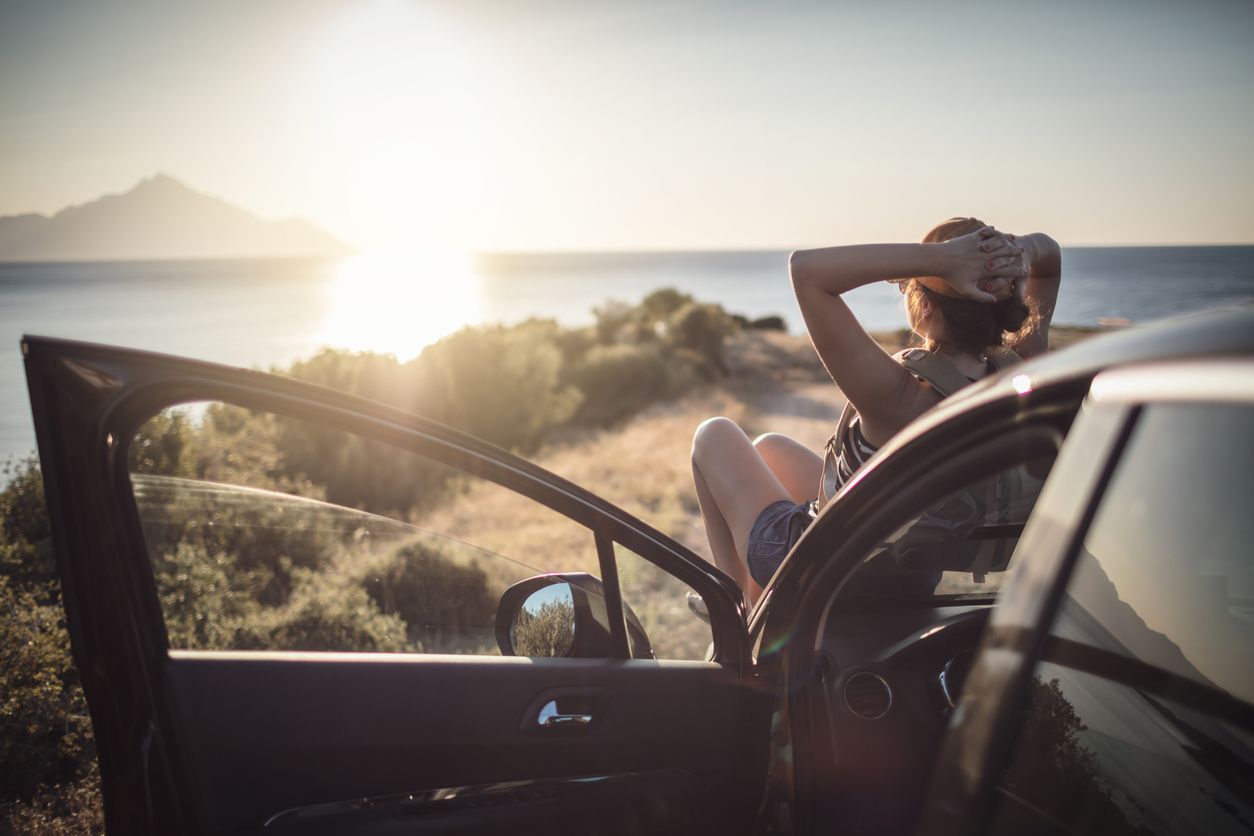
[{"x": 160, "y": 218}]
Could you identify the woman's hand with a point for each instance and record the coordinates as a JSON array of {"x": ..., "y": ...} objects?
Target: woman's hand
[{"x": 983, "y": 265}]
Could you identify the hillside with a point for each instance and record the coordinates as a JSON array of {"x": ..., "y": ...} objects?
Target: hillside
[{"x": 160, "y": 218}]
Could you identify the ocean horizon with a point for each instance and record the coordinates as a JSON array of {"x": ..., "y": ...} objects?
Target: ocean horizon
[{"x": 266, "y": 313}]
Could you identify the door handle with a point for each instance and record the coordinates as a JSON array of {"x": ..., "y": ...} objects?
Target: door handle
[{"x": 550, "y": 718}]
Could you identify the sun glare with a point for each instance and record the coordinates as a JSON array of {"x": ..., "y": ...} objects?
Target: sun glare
[
  {"x": 398, "y": 303},
  {"x": 389, "y": 121}
]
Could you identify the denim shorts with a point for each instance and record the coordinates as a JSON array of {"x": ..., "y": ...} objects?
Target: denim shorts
[{"x": 776, "y": 529}]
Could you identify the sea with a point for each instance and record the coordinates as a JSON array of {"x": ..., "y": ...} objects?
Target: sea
[{"x": 268, "y": 313}]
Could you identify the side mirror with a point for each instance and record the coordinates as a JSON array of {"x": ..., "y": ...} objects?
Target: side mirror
[{"x": 563, "y": 615}]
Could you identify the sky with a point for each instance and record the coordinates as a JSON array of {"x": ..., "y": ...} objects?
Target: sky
[{"x": 588, "y": 125}]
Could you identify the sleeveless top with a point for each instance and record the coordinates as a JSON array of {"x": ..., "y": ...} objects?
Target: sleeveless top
[{"x": 848, "y": 448}]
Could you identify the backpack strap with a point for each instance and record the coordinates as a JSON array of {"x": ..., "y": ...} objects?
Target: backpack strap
[{"x": 933, "y": 369}]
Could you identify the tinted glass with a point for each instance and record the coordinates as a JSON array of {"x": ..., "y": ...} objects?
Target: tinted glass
[
  {"x": 672, "y": 614},
  {"x": 1096, "y": 756},
  {"x": 269, "y": 533},
  {"x": 960, "y": 546},
  {"x": 1165, "y": 581}
]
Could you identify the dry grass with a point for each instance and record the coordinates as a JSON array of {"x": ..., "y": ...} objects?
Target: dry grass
[{"x": 776, "y": 384}]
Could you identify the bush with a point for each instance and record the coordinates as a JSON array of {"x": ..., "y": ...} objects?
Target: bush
[
  {"x": 70, "y": 809},
  {"x": 703, "y": 329},
  {"x": 767, "y": 323},
  {"x": 446, "y": 604},
  {"x": 547, "y": 632},
  {"x": 324, "y": 613},
  {"x": 619, "y": 380},
  {"x": 45, "y": 732},
  {"x": 25, "y": 533},
  {"x": 500, "y": 384}
]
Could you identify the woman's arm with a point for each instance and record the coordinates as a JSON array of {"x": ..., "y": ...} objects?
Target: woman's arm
[
  {"x": 886, "y": 395},
  {"x": 1044, "y": 258}
]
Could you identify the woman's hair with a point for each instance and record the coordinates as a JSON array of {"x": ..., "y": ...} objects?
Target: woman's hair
[{"x": 970, "y": 326}]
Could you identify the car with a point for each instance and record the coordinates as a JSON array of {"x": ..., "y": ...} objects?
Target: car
[{"x": 1031, "y": 612}]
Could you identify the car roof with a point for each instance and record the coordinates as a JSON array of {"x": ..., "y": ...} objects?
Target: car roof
[
  {"x": 1221, "y": 333},
  {"x": 1224, "y": 332}
]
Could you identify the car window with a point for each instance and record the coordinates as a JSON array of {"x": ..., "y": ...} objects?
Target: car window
[
  {"x": 1159, "y": 613},
  {"x": 672, "y": 613},
  {"x": 960, "y": 546},
  {"x": 269, "y": 533}
]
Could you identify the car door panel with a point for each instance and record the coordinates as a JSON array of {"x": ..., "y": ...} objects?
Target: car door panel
[
  {"x": 271, "y": 732},
  {"x": 196, "y": 741}
]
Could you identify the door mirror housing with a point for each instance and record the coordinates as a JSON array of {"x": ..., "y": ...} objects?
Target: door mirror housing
[{"x": 563, "y": 615}]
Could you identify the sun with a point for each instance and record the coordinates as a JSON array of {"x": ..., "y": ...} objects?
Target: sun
[{"x": 399, "y": 302}]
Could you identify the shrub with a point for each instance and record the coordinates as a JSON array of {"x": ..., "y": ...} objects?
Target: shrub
[
  {"x": 500, "y": 384},
  {"x": 45, "y": 732},
  {"x": 446, "y": 604},
  {"x": 548, "y": 632},
  {"x": 324, "y": 613},
  {"x": 618, "y": 380},
  {"x": 661, "y": 304},
  {"x": 703, "y": 329},
  {"x": 25, "y": 533},
  {"x": 767, "y": 323}
]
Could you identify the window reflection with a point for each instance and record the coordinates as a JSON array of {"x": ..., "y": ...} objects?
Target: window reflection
[
  {"x": 1095, "y": 756},
  {"x": 1167, "y": 575},
  {"x": 1164, "y": 582}
]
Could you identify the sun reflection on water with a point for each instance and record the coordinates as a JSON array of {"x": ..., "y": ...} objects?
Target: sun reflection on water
[{"x": 398, "y": 303}]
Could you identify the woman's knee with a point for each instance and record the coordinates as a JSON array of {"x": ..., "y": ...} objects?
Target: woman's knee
[
  {"x": 772, "y": 441},
  {"x": 713, "y": 434}
]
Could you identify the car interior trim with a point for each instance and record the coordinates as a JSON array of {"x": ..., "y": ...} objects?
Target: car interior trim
[
  {"x": 869, "y": 684},
  {"x": 358, "y": 812}
]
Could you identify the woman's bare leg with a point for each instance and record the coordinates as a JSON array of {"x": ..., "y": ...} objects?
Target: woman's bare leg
[
  {"x": 722, "y": 546},
  {"x": 797, "y": 467},
  {"x": 734, "y": 485}
]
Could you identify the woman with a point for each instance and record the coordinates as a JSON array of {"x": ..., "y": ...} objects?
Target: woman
[{"x": 969, "y": 289}]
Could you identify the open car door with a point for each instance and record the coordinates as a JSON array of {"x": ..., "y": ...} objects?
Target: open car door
[{"x": 288, "y": 608}]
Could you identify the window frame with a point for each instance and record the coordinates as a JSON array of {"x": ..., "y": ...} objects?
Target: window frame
[
  {"x": 605, "y": 523},
  {"x": 981, "y": 741}
]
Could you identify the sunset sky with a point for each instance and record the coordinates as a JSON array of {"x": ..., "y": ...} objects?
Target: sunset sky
[{"x": 645, "y": 125}]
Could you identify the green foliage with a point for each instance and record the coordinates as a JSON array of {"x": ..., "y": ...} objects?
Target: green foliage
[
  {"x": 619, "y": 380},
  {"x": 44, "y": 728},
  {"x": 447, "y": 604},
  {"x": 25, "y": 533},
  {"x": 662, "y": 304},
  {"x": 69, "y": 809},
  {"x": 547, "y": 632},
  {"x": 163, "y": 446},
  {"x": 701, "y": 328},
  {"x": 205, "y": 597},
  {"x": 500, "y": 384},
  {"x": 325, "y": 612},
  {"x": 378, "y": 377}
]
